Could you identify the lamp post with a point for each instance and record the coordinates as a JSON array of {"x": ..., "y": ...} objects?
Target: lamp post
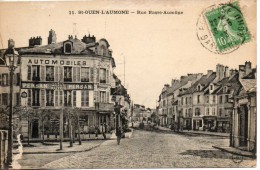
[{"x": 11, "y": 60}]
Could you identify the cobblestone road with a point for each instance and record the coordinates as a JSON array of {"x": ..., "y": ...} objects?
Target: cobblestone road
[{"x": 154, "y": 150}]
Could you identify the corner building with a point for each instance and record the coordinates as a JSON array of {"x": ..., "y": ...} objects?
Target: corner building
[{"x": 70, "y": 74}]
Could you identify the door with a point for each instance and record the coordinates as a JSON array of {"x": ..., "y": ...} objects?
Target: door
[
  {"x": 35, "y": 128},
  {"x": 243, "y": 125}
]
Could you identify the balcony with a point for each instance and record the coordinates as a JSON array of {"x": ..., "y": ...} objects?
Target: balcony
[{"x": 105, "y": 107}]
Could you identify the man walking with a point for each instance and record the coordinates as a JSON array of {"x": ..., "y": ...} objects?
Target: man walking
[{"x": 119, "y": 135}]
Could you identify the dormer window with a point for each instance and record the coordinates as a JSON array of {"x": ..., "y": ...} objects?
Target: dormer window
[
  {"x": 211, "y": 87},
  {"x": 67, "y": 47},
  {"x": 198, "y": 88}
]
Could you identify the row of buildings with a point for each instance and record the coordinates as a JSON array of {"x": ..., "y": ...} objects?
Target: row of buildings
[
  {"x": 223, "y": 100},
  {"x": 63, "y": 76}
]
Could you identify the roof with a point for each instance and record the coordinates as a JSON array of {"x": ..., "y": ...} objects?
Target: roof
[
  {"x": 79, "y": 47},
  {"x": 251, "y": 75},
  {"x": 204, "y": 81},
  {"x": 248, "y": 84}
]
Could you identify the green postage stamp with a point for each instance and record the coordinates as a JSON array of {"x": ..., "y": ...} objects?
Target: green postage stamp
[{"x": 227, "y": 27}]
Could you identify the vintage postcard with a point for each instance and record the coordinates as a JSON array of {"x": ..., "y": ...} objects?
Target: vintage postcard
[{"x": 128, "y": 84}]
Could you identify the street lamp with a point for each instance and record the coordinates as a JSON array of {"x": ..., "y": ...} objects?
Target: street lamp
[{"x": 11, "y": 57}]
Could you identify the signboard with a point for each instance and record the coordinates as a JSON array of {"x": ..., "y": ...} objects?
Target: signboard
[{"x": 55, "y": 86}]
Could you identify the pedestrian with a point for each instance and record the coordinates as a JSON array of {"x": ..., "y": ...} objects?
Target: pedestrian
[
  {"x": 119, "y": 135},
  {"x": 96, "y": 132}
]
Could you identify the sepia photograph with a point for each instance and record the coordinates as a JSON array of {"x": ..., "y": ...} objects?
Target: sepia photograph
[{"x": 134, "y": 84}]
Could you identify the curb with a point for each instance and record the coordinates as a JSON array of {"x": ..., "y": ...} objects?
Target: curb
[
  {"x": 207, "y": 134},
  {"x": 241, "y": 153},
  {"x": 26, "y": 153}
]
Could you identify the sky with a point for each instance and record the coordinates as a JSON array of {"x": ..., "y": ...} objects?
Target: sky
[{"x": 156, "y": 48}]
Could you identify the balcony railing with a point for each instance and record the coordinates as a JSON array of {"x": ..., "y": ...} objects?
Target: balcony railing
[{"x": 104, "y": 107}]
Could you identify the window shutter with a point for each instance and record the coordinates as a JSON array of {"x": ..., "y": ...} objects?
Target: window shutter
[
  {"x": 56, "y": 73},
  {"x": 74, "y": 98},
  {"x": 43, "y": 98},
  {"x": 14, "y": 80},
  {"x": 43, "y": 74},
  {"x": 29, "y": 72},
  {"x": 61, "y": 71},
  {"x": 91, "y": 74},
  {"x": 74, "y": 73},
  {"x": 97, "y": 75},
  {"x": 29, "y": 100},
  {"x": 78, "y": 74},
  {"x": 56, "y": 102}
]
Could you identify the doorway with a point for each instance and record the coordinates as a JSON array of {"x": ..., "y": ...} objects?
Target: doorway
[
  {"x": 35, "y": 128},
  {"x": 243, "y": 125}
]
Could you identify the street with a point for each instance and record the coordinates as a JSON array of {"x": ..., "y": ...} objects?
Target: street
[{"x": 150, "y": 150}]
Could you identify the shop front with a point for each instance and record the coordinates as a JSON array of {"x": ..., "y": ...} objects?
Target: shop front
[
  {"x": 210, "y": 123},
  {"x": 223, "y": 124}
]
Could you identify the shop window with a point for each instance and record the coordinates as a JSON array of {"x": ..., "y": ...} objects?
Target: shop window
[
  {"x": 35, "y": 97},
  {"x": 200, "y": 123},
  {"x": 67, "y": 97},
  {"x": 36, "y": 73},
  {"x": 67, "y": 74},
  {"x": 84, "y": 98},
  {"x": 102, "y": 76},
  {"x": 85, "y": 74},
  {"x": 49, "y": 73},
  {"x": 50, "y": 97}
]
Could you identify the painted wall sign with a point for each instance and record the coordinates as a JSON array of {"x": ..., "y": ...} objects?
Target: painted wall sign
[{"x": 57, "y": 86}]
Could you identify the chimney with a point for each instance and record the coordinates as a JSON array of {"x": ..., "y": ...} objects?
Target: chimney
[
  {"x": 182, "y": 78},
  {"x": 226, "y": 72},
  {"x": 199, "y": 75},
  {"x": 35, "y": 41},
  {"x": 242, "y": 71},
  {"x": 248, "y": 67},
  {"x": 88, "y": 39},
  {"x": 70, "y": 37},
  {"x": 10, "y": 43},
  {"x": 52, "y": 37},
  {"x": 209, "y": 73}
]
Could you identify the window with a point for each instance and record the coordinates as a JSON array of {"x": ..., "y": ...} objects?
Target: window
[
  {"x": 103, "y": 97},
  {"x": 186, "y": 100},
  {"x": 84, "y": 98},
  {"x": 198, "y": 87},
  {"x": 214, "y": 99},
  {"x": 4, "y": 79},
  {"x": 190, "y": 113},
  {"x": 74, "y": 98},
  {"x": 197, "y": 112},
  {"x": 67, "y": 97},
  {"x": 190, "y": 100},
  {"x": 182, "y": 101},
  {"x": 198, "y": 98},
  {"x": 18, "y": 79},
  {"x": 49, "y": 97},
  {"x": 68, "y": 74},
  {"x": 85, "y": 74},
  {"x": 211, "y": 87},
  {"x": 102, "y": 50},
  {"x": 207, "y": 99},
  {"x": 102, "y": 75},
  {"x": 186, "y": 113},
  {"x": 68, "y": 48},
  {"x": 35, "y": 97},
  {"x": 36, "y": 73},
  {"x": 220, "y": 112},
  {"x": 207, "y": 111},
  {"x": 220, "y": 99},
  {"x": 214, "y": 111},
  {"x": 226, "y": 98},
  {"x": 49, "y": 73},
  {"x": 5, "y": 99}
]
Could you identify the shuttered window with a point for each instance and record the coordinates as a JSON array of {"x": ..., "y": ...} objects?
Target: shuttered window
[
  {"x": 56, "y": 73},
  {"x": 35, "y": 97},
  {"x": 49, "y": 73},
  {"x": 49, "y": 97},
  {"x": 85, "y": 74},
  {"x": 36, "y": 73},
  {"x": 43, "y": 73}
]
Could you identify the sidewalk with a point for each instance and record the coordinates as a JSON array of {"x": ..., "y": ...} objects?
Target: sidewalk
[
  {"x": 235, "y": 151},
  {"x": 54, "y": 147},
  {"x": 196, "y": 132}
]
